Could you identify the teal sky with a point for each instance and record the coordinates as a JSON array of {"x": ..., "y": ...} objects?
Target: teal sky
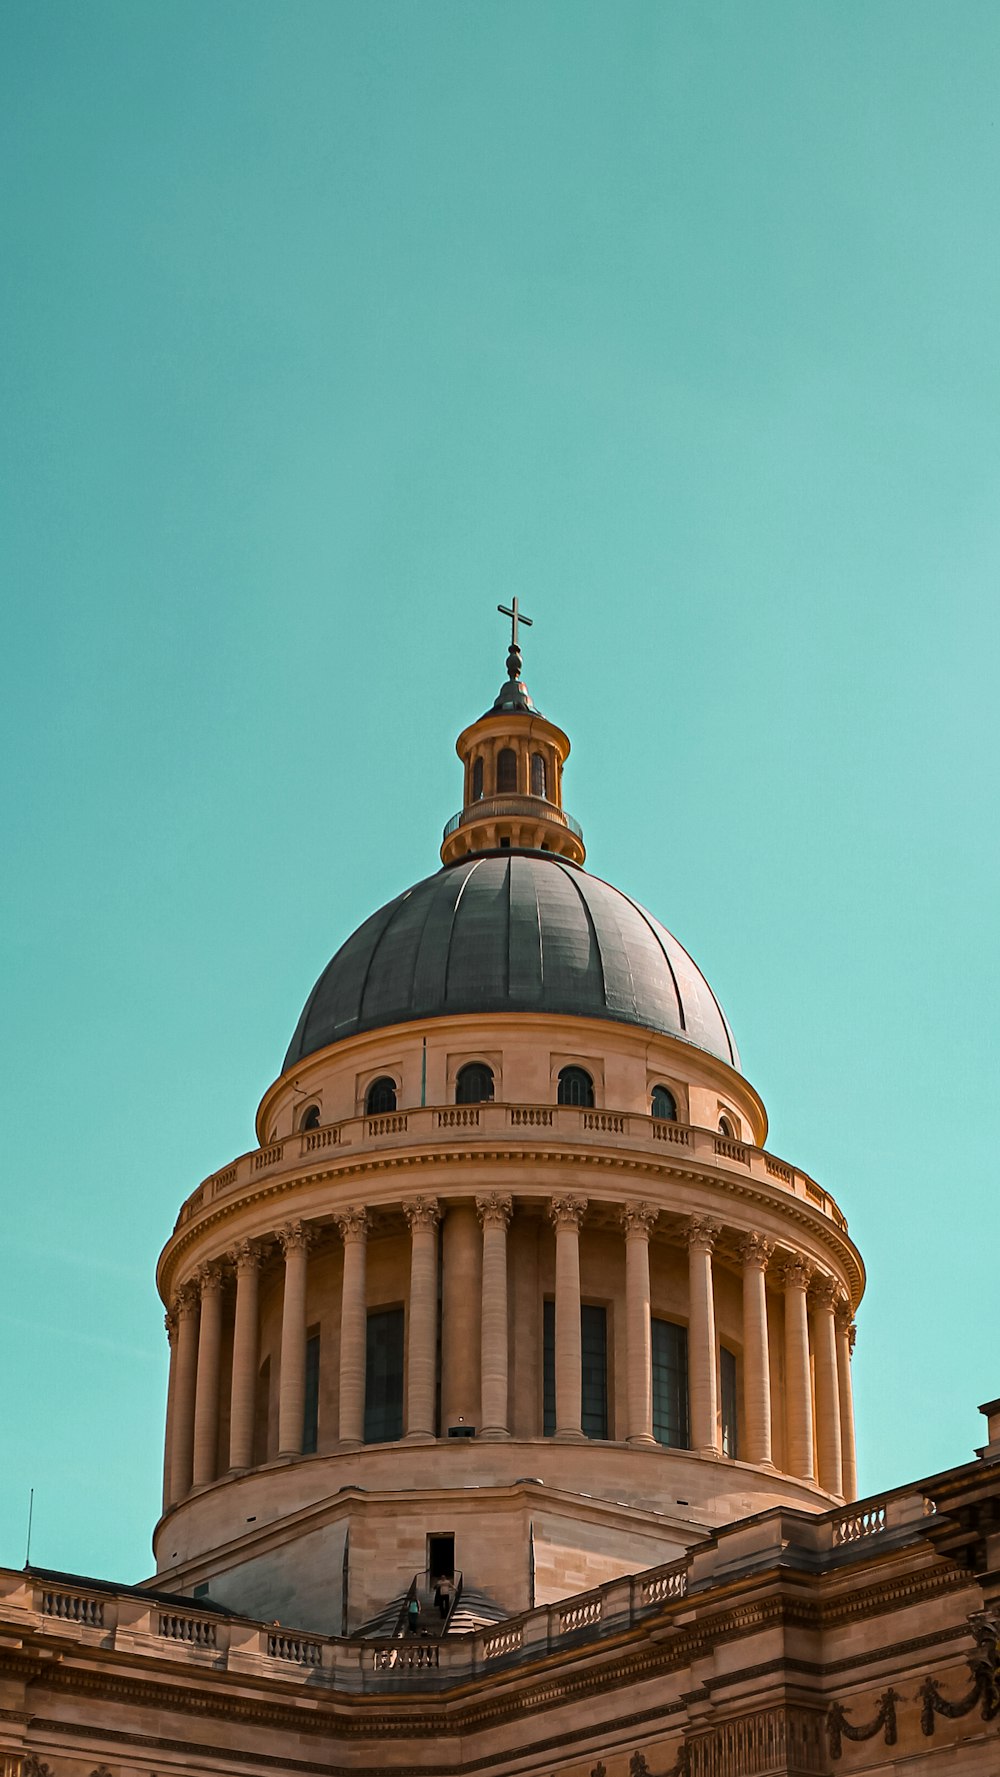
[{"x": 324, "y": 328}]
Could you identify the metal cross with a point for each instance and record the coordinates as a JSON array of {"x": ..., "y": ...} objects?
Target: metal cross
[{"x": 515, "y": 616}]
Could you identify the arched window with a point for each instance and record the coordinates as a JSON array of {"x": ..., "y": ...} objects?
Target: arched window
[
  {"x": 726, "y": 1129},
  {"x": 310, "y": 1117},
  {"x": 664, "y": 1104},
  {"x": 506, "y": 771},
  {"x": 380, "y": 1097},
  {"x": 537, "y": 775},
  {"x": 474, "y": 1084},
  {"x": 477, "y": 779},
  {"x": 576, "y": 1087}
]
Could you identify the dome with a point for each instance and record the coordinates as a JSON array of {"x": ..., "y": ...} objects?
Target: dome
[{"x": 512, "y": 932}]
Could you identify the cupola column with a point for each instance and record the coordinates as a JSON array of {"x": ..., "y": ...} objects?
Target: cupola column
[
  {"x": 170, "y": 1324},
  {"x": 567, "y": 1213},
  {"x": 637, "y": 1220},
  {"x": 206, "y": 1399},
  {"x": 703, "y": 1383},
  {"x": 796, "y": 1276},
  {"x": 845, "y": 1347},
  {"x": 831, "y": 1471},
  {"x": 423, "y": 1216},
  {"x": 755, "y": 1252},
  {"x": 461, "y": 1265},
  {"x": 295, "y": 1242},
  {"x": 182, "y": 1456},
  {"x": 353, "y": 1225},
  {"x": 494, "y": 1213},
  {"x": 246, "y": 1260}
]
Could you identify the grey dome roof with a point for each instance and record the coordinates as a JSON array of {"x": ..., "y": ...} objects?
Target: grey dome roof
[{"x": 512, "y": 932}]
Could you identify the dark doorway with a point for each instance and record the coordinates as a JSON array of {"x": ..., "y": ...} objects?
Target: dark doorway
[{"x": 441, "y": 1557}]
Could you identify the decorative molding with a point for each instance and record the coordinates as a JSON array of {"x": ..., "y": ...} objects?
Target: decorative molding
[
  {"x": 422, "y": 1212},
  {"x": 755, "y": 1251},
  {"x": 567, "y": 1212},
  {"x": 187, "y": 1300},
  {"x": 638, "y": 1219},
  {"x": 838, "y": 1728},
  {"x": 353, "y": 1225},
  {"x": 170, "y": 1320},
  {"x": 209, "y": 1278},
  {"x": 702, "y": 1233},
  {"x": 494, "y": 1210},
  {"x": 984, "y": 1664}
]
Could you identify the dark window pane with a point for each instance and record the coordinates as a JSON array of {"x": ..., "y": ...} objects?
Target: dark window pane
[
  {"x": 549, "y": 1370},
  {"x": 537, "y": 775},
  {"x": 310, "y": 1417},
  {"x": 726, "y": 1128},
  {"x": 506, "y": 771},
  {"x": 384, "y": 1376},
  {"x": 477, "y": 780},
  {"x": 474, "y": 1084},
  {"x": 310, "y": 1118},
  {"x": 381, "y": 1097},
  {"x": 670, "y": 1384},
  {"x": 727, "y": 1392},
  {"x": 594, "y": 1351},
  {"x": 664, "y": 1104},
  {"x": 576, "y": 1087}
]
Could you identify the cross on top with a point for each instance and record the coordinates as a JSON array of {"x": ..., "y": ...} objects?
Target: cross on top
[{"x": 513, "y": 612}]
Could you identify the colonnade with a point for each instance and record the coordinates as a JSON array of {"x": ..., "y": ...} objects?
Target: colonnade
[{"x": 818, "y": 1338}]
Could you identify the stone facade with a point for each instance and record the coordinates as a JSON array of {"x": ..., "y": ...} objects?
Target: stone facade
[{"x": 509, "y": 1423}]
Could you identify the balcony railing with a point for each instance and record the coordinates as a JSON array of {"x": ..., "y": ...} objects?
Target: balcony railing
[
  {"x": 135, "y": 1624},
  {"x": 451, "y": 1126},
  {"x": 491, "y": 808}
]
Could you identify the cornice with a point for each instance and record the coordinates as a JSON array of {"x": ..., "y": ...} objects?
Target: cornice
[{"x": 791, "y": 1210}]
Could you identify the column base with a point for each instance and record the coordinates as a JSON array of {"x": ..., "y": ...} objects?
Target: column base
[
  {"x": 710, "y": 1451},
  {"x": 419, "y": 1437},
  {"x": 642, "y": 1441},
  {"x": 572, "y": 1436},
  {"x": 493, "y": 1434},
  {"x": 350, "y": 1443}
]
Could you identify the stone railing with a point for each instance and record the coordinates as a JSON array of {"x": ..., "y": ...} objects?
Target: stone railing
[
  {"x": 429, "y": 1126},
  {"x": 515, "y": 803},
  {"x": 134, "y": 1623}
]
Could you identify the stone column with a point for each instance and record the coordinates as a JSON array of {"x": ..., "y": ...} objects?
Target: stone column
[
  {"x": 295, "y": 1241},
  {"x": 170, "y": 1324},
  {"x": 206, "y": 1396},
  {"x": 423, "y": 1216},
  {"x": 461, "y": 1332},
  {"x": 755, "y": 1252},
  {"x": 703, "y": 1382},
  {"x": 831, "y": 1470},
  {"x": 353, "y": 1225},
  {"x": 495, "y": 1214},
  {"x": 637, "y": 1220},
  {"x": 796, "y": 1275},
  {"x": 845, "y": 1346},
  {"x": 182, "y": 1456},
  {"x": 246, "y": 1259},
  {"x": 567, "y": 1213}
]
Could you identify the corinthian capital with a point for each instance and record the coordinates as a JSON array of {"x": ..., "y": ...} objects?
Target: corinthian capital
[
  {"x": 796, "y": 1273},
  {"x": 826, "y": 1291},
  {"x": 209, "y": 1278},
  {"x": 170, "y": 1323},
  {"x": 246, "y": 1257},
  {"x": 701, "y": 1232},
  {"x": 423, "y": 1212},
  {"x": 494, "y": 1210},
  {"x": 567, "y": 1212},
  {"x": 295, "y": 1237},
  {"x": 187, "y": 1299},
  {"x": 353, "y": 1225},
  {"x": 638, "y": 1218},
  {"x": 755, "y": 1251}
]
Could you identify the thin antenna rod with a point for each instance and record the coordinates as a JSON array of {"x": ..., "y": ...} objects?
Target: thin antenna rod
[{"x": 31, "y": 1510}]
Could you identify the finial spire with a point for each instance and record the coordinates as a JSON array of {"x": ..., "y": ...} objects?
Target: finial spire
[{"x": 514, "y": 653}]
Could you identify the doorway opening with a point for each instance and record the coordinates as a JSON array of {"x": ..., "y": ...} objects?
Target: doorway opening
[{"x": 441, "y": 1557}]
